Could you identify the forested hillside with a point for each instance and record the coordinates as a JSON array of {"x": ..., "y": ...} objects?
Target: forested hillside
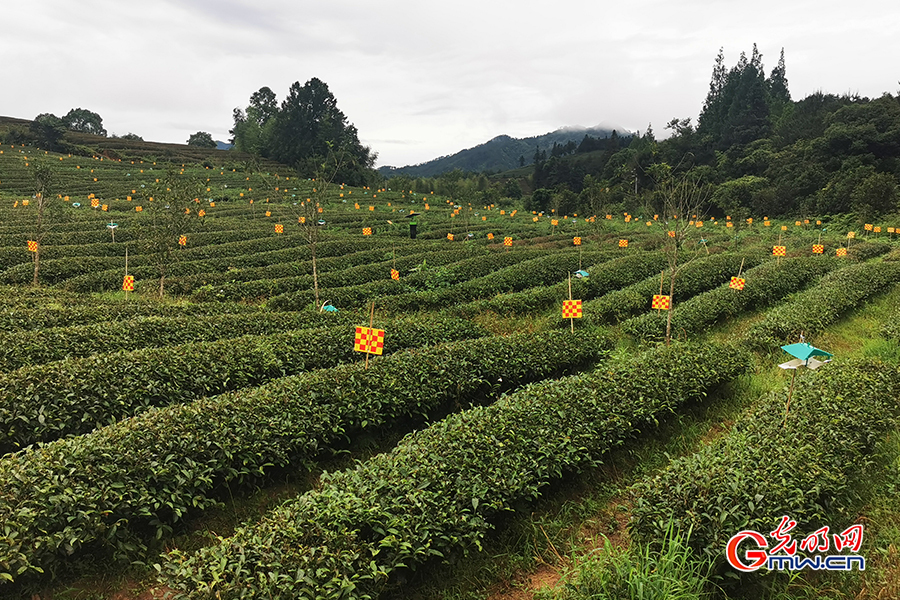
[
  {"x": 503, "y": 152},
  {"x": 760, "y": 151}
]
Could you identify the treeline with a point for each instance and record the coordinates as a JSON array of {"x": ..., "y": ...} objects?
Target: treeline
[
  {"x": 47, "y": 130},
  {"x": 758, "y": 151},
  {"x": 306, "y": 131}
]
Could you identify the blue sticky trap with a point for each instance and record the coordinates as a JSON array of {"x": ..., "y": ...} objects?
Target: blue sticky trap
[
  {"x": 805, "y": 351},
  {"x": 581, "y": 274},
  {"x": 330, "y": 308}
]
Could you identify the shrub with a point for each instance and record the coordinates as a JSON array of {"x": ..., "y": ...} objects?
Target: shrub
[
  {"x": 148, "y": 472},
  {"x": 438, "y": 490},
  {"x": 768, "y": 465},
  {"x": 814, "y": 309},
  {"x": 75, "y": 396},
  {"x": 765, "y": 285}
]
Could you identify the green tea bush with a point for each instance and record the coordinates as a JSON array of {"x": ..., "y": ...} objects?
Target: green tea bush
[
  {"x": 765, "y": 285},
  {"x": 437, "y": 492},
  {"x": 82, "y": 311},
  {"x": 22, "y": 349},
  {"x": 819, "y": 306},
  {"x": 604, "y": 278},
  {"x": 146, "y": 473},
  {"x": 537, "y": 272},
  {"x": 452, "y": 282},
  {"x": 696, "y": 277},
  {"x": 75, "y": 396},
  {"x": 769, "y": 465},
  {"x": 459, "y": 262}
]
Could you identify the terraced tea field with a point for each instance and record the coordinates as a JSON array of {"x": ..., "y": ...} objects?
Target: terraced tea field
[{"x": 229, "y": 439}]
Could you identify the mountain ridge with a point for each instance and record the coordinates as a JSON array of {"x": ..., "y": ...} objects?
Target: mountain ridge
[{"x": 502, "y": 152}]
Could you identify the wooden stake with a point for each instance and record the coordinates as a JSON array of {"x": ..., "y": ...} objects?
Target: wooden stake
[
  {"x": 126, "y": 269},
  {"x": 790, "y": 393},
  {"x": 662, "y": 277},
  {"x": 371, "y": 322},
  {"x": 571, "y": 319},
  {"x": 741, "y": 270}
]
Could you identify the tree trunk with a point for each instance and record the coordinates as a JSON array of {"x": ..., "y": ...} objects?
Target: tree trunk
[
  {"x": 315, "y": 275},
  {"x": 162, "y": 280},
  {"x": 671, "y": 308},
  {"x": 37, "y": 265}
]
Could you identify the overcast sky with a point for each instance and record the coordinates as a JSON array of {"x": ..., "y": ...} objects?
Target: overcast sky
[{"x": 422, "y": 79}]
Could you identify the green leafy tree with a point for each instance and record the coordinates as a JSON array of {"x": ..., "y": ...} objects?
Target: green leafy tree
[
  {"x": 84, "y": 121},
  {"x": 252, "y": 131},
  {"x": 309, "y": 125},
  {"x": 738, "y": 196},
  {"x": 47, "y": 130},
  {"x": 737, "y": 107},
  {"x": 511, "y": 189},
  {"x": 201, "y": 139},
  {"x": 876, "y": 195},
  {"x": 170, "y": 212},
  {"x": 129, "y": 136},
  {"x": 778, "y": 84}
]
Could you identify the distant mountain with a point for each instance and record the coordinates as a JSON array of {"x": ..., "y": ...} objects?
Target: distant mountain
[
  {"x": 223, "y": 145},
  {"x": 501, "y": 153}
]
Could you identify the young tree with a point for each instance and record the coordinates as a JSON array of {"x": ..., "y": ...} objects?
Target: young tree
[
  {"x": 677, "y": 199},
  {"x": 325, "y": 175},
  {"x": 307, "y": 211},
  {"x": 595, "y": 197},
  {"x": 45, "y": 206},
  {"x": 170, "y": 212}
]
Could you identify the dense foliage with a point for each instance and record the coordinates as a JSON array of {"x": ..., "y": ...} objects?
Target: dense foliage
[
  {"x": 802, "y": 464},
  {"x": 438, "y": 491},
  {"x": 762, "y": 152},
  {"x": 73, "y": 396},
  {"x": 145, "y": 474},
  {"x": 304, "y": 131}
]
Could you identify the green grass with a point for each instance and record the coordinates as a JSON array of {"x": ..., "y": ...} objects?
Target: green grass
[{"x": 610, "y": 573}]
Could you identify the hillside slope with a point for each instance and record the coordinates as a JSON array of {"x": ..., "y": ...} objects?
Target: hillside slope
[{"x": 499, "y": 154}]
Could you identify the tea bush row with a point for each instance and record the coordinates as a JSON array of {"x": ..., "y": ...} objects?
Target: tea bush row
[
  {"x": 700, "y": 275},
  {"x": 21, "y": 349},
  {"x": 765, "y": 285},
  {"x": 811, "y": 311},
  {"x": 805, "y": 463},
  {"x": 75, "y": 396},
  {"x": 437, "y": 493},
  {"x": 604, "y": 277},
  {"x": 134, "y": 480}
]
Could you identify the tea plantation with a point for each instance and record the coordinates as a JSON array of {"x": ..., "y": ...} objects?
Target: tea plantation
[{"x": 185, "y": 409}]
